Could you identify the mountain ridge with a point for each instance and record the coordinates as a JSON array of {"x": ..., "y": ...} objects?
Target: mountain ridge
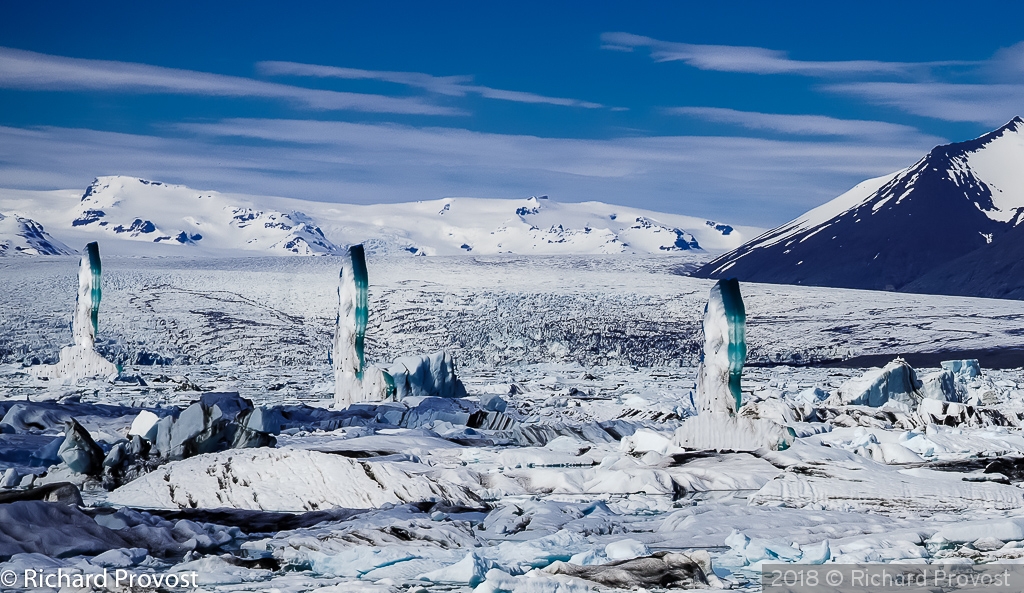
[
  {"x": 142, "y": 217},
  {"x": 887, "y": 232}
]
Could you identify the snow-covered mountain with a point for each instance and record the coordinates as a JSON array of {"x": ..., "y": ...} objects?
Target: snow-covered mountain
[
  {"x": 19, "y": 235},
  {"x": 134, "y": 216},
  {"x": 885, "y": 233}
]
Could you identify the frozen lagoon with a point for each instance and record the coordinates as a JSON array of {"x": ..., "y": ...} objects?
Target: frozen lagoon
[{"x": 595, "y": 358}]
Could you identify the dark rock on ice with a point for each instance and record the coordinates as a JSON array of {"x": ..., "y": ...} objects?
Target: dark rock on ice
[
  {"x": 661, "y": 569},
  {"x": 59, "y": 492}
]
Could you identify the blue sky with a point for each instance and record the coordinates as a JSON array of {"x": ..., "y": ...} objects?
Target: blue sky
[{"x": 746, "y": 112}]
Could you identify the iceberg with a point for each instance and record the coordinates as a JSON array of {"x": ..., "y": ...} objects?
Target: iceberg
[
  {"x": 288, "y": 480},
  {"x": 943, "y": 386},
  {"x": 965, "y": 370},
  {"x": 896, "y": 381},
  {"x": 722, "y": 432},
  {"x": 719, "y": 397},
  {"x": 81, "y": 361},
  {"x": 426, "y": 375},
  {"x": 79, "y": 451}
]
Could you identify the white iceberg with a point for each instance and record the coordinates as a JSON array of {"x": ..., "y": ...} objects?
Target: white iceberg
[
  {"x": 284, "y": 480},
  {"x": 896, "y": 381}
]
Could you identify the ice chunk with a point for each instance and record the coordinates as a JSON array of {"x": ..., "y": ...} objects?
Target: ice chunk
[
  {"x": 1006, "y": 529},
  {"x": 662, "y": 569},
  {"x": 725, "y": 350},
  {"x": 426, "y": 375},
  {"x": 144, "y": 425},
  {"x": 26, "y": 417},
  {"x": 941, "y": 385},
  {"x": 57, "y": 530},
  {"x": 81, "y": 361},
  {"x": 470, "y": 571},
  {"x": 646, "y": 439},
  {"x": 122, "y": 558},
  {"x": 871, "y": 486},
  {"x": 79, "y": 451},
  {"x": 624, "y": 549},
  {"x": 493, "y": 402},
  {"x": 285, "y": 480},
  {"x": 963, "y": 369},
  {"x": 812, "y": 395},
  {"x": 819, "y": 554},
  {"x": 948, "y": 413},
  {"x": 11, "y": 479},
  {"x": 357, "y": 561},
  {"x": 535, "y": 581},
  {"x": 897, "y": 381},
  {"x": 752, "y": 551}
]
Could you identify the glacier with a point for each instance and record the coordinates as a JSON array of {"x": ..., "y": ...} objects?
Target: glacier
[{"x": 555, "y": 463}]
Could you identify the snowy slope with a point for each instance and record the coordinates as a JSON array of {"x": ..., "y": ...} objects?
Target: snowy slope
[
  {"x": 25, "y": 236},
  {"x": 139, "y": 217},
  {"x": 887, "y": 232}
]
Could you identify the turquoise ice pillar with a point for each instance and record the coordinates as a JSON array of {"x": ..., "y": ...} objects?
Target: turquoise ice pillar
[
  {"x": 725, "y": 349},
  {"x": 87, "y": 305}
]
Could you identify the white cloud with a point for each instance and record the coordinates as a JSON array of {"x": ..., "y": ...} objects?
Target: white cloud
[
  {"x": 457, "y": 86},
  {"x": 988, "y": 104},
  {"x": 759, "y": 60},
  {"x": 804, "y": 125},
  {"x": 739, "y": 180},
  {"x": 28, "y": 70},
  {"x": 993, "y": 95}
]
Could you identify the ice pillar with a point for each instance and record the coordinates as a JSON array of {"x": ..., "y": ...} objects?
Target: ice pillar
[
  {"x": 353, "y": 312},
  {"x": 354, "y": 382},
  {"x": 725, "y": 350},
  {"x": 81, "y": 361},
  {"x": 87, "y": 306},
  {"x": 719, "y": 425}
]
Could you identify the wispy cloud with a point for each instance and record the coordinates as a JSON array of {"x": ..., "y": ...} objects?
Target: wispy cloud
[
  {"x": 21, "y": 69},
  {"x": 743, "y": 180},
  {"x": 456, "y": 86},
  {"x": 993, "y": 95},
  {"x": 988, "y": 104},
  {"x": 804, "y": 125},
  {"x": 759, "y": 60}
]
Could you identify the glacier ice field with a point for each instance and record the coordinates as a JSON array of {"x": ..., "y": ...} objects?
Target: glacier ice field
[{"x": 563, "y": 467}]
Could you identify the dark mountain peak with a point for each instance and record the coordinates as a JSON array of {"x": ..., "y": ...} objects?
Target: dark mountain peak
[
  {"x": 892, "y": 233},
  {"x": 1014, "y": 126}
]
